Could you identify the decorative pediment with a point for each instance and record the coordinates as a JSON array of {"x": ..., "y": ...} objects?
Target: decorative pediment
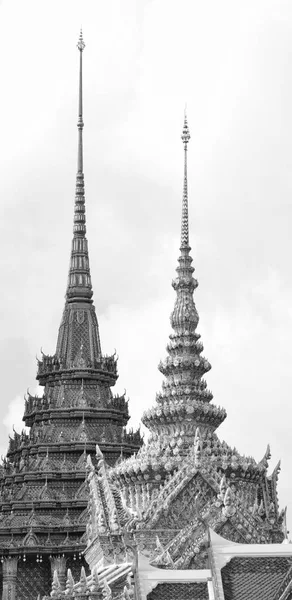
[
  {"x": 83, "y": 432},
  {"x": 31, "y": 539},
  {"x": 32, "y": 519},
  {"x": 47, "y": 494},
  {"x": 182, "y": 508},
  {"x": 66, "y": 519}
]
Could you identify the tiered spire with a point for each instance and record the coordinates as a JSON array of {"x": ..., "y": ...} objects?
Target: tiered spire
[
  {"x": 185, "y": 208},
  {"x": 184, "y": 392},
  {"x": 185, "y": 311},
  {"x": 78, "y": 375},
  {"x": 78, "y": 340},
  {"x": 79, "y": 280}
]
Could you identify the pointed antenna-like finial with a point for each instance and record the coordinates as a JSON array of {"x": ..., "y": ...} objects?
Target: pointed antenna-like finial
[
  {"x": 79, "y": 280},
  {"x": 80, "y": 123},
  {"x": 185, "y": 209},
  {"x": 81, "y": 44}
]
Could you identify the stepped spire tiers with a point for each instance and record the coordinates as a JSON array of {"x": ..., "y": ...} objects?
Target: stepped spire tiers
[
  {"x": 184, "y": 402},
  {"x": 78, "y": 338},
  {"x": 43, "y": 491},
  {"x": 79, "y": 281}
]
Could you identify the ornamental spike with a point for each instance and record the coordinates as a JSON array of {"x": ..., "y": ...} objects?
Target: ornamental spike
[
  {"x": 83, "y": 581},
  {"x": 79, "y": 281},
  {"x": 185, "y": 209},
  {"x": 69, "y": 583},
  {"x": 80, "y": 123}
]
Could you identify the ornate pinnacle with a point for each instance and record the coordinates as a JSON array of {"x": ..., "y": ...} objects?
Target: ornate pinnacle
[
  {"x": 79, "y": 282},
  {"x": 80, "y": 123},
  {"x": 185, "y": 209},
  {"x": 81, "y": 44},
  {"x": 185, "y": 136}
]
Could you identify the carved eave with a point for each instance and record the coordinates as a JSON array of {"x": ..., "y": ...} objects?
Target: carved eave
[
  {"x": 183, "y": 342},
  {"x": 195, "y": 364},
  {"x": 178, "y": 391},
  {"x": 55, "y": 373},
  {"x": 200, "y": 412},
  {"x": 103, "y": 414}
]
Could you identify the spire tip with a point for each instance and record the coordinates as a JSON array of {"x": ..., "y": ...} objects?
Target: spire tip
[
  {"x": 81, "y": 44},
  {"x": 185, "y": 136}
]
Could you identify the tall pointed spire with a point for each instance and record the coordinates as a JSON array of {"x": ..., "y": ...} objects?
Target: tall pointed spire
[
  {"x": 184, "y": 397},
  {"x": 80, "y": 123},
  {"x": 185, "y": 208},
  {"x": 185, "y": 313},
  {"x": 78, "y": 340},
  {"x": 79, "y": 281}
]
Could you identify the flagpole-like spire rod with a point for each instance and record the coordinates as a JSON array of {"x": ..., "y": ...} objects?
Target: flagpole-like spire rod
[
  {"x": 79, "y": 211},
  {"x": 80, "y": 123},
  {"x": 185, "y": 209}
]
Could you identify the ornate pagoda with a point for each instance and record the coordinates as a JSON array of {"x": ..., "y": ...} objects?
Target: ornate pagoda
[
  {"x": 158, "y": 507},
  {"x": 44, "y": 493}
]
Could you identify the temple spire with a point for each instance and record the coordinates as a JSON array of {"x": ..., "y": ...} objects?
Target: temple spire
[
  {"x": 185, "y": 209},
  {"x": 79, "y": 281},
  {"x": 80, "y": 123},
  {"x": 184, "y": 401}
]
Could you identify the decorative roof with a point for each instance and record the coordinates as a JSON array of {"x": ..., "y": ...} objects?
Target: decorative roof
[{"x": 212, "y": 487}]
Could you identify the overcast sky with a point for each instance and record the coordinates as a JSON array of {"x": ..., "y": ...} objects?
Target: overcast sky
[{"x": 231, "y": 61}]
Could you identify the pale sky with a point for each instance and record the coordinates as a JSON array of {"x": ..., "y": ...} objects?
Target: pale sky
[{"x": 231, "y": 61}]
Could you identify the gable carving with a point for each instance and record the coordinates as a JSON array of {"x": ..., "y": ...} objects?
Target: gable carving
[{"x": 184, "y": 507}]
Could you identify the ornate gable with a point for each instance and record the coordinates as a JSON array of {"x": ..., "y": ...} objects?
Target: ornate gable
[{"x": 184, "y": 507}]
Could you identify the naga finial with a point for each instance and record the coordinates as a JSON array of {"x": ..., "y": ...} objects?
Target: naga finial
[{"x": 81, "y": 44}]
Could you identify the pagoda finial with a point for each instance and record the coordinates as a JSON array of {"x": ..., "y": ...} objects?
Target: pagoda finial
[
  {"x": 185, "y": 209},
  {"x": 81, "y": 44},
  {"x": 80, "y": 123},
  {"x": 79, "y": 282}
]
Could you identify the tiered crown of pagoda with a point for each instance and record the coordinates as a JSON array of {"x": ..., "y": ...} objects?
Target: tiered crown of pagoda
[
  {"x": 78, "y": 352},
  {"x": 78, "y": 342},
  {"x": 184, "y": 402}
]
